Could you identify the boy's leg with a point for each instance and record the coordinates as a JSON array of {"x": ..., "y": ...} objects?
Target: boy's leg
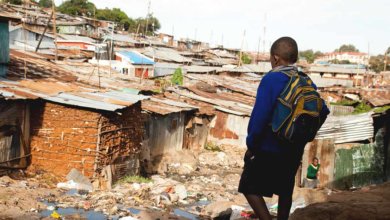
[
  {"x": 284, "y": 206},
  {"x": 259, "y": 207}
]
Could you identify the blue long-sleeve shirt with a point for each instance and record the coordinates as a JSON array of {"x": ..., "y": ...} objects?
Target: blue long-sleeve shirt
[{"x": 260, "y": 135}]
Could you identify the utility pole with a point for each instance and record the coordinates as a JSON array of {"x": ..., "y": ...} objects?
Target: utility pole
[
  {"x": 44, "y": 31},
  {"x": 385, "y": 60},
  {"x": 242, "y": 45},
  {"x": 148, "y": 16},
  {"x": 55, "y": 28},
  {"x": 211, "y": 38},
  {"x": 258, "y": 50},
  {"x": 111, "y": 46},
  {"x": 264, "y": 31}
]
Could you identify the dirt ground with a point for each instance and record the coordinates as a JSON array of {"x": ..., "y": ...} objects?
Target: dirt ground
[
  {"x": 21, "y": 197},
  {"x": 188, "y": 190},
  {"x": 367, "y": 203}
]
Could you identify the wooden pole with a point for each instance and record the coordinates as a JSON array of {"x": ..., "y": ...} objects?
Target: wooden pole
[
  {"x": 55, "y": 29},
  {"x": 44, "y": 31}
]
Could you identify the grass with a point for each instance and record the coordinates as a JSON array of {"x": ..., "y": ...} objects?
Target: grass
[
  {"x": 134, "y": 179},
  {"x": 362, "y": 108},
  {"x": 382, "y": 109},
  {"x": 359, "y": 107},
  {"x": 345, "y": 102},
  {"x": 211, "y": 146}
]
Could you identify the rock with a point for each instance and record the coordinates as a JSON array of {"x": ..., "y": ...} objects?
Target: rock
[
  {"x": 114, "y": 210},
  {"x": 185, "y": 169},
  {"x": 128, "y": 218},
  {"x": 136, "y": 186},
  {"x": 221, "y": 156},
  {"x": 219, "y": 209},
  {"x": 181, "y": 191},
  {"x": 50, "y": 208},
  {"x": 173, "y": 197},
  {"x": 236, "y": 212},
  {"x": 76, "y": 180},
  {"x": 6, "y": 180}
]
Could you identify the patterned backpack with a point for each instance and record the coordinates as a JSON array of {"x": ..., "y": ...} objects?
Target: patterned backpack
[{"x": 296, "y": 117}]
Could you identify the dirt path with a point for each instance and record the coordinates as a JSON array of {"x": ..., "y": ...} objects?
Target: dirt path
[
  {"x": 21, "y": 199},
  {"x": 367, "y": 203}
]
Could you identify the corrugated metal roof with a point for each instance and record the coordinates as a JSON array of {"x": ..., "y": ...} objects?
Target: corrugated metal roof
[
  {"x": 377, "y": 97},
  {"x": 350, "y": 128},
  {"x": 332, "y": 69},
  {"x": 258, "y": 68},
  {"x": 231, "y": 83},
  {"x": 328, "y": 82},
  {"x": 76, "y": 38},
  {"x": 166, "y": 54},
  {"x": 107, "y": 101},
  {"x": 136, "y": 58},
  {"x": 69, "y": 99},
  {"x": 239, "y": 108},
  {"x": 123, "y": 38},
  {"x": 51, "y": 82}
]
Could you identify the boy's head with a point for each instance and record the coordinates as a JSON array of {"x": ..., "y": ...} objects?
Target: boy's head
[
  {"x": 315, "y": 161},
  {"x": 284, "y": 51}
]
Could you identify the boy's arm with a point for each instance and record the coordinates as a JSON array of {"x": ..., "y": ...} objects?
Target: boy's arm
[
  {"x": 261, "y": 113},
  {"x": 324, "y": 112}
]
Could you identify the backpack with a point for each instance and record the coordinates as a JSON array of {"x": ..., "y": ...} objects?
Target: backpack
[{"x": 296, "y": 117}]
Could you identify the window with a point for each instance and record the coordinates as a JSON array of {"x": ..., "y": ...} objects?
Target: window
[{"x": 125, "y": 71}]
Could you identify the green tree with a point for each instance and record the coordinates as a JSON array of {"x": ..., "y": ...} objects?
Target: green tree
[
  {"x": 115, "y": 15},
  {"x": 45, "y": 3},
  {"x": 153, "y": 25},
  {"x": 310, "y": 55},
  {"x": 336, "y": 61},
  {"x": 347, "y": 48},
  {"x": 77, "y": 8},
  {"x": 246, "y": 59},
  {"x": 177, "y": 78},
  {"x": 377, "y": 63}
]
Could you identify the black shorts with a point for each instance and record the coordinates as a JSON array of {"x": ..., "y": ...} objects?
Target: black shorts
[{"x": 270, "y": 173}]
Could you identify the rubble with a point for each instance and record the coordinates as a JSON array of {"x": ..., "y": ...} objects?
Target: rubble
[{"x": 219, "y": 209}]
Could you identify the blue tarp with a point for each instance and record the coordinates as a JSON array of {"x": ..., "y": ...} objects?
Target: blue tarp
[{"x": 136, "y": 58}]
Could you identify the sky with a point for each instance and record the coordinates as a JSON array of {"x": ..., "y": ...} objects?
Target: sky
[{"x": 315, "y": 24}]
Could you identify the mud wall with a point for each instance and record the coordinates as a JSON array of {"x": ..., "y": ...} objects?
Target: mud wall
[
  {"x": 196, "y": 132},
  {"x": 120, "y": 137},
  {"x": 324, "y": 150},
  {"x": 63, "y": 138}
]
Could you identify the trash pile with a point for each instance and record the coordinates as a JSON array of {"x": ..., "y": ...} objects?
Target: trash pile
[{"x": 207, "y": 189}]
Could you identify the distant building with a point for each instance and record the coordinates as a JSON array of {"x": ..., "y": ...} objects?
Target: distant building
[
  {"x": 193, "y": 45},
  {"x": 166, "y": 38},
  {"x": 76, "y": 42},
  {"x": 352, "y": 57},
  {"x": 135, "y": 64}
]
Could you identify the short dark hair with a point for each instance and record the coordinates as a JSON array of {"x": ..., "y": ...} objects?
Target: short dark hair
[{"x": 286, "y": 48}]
